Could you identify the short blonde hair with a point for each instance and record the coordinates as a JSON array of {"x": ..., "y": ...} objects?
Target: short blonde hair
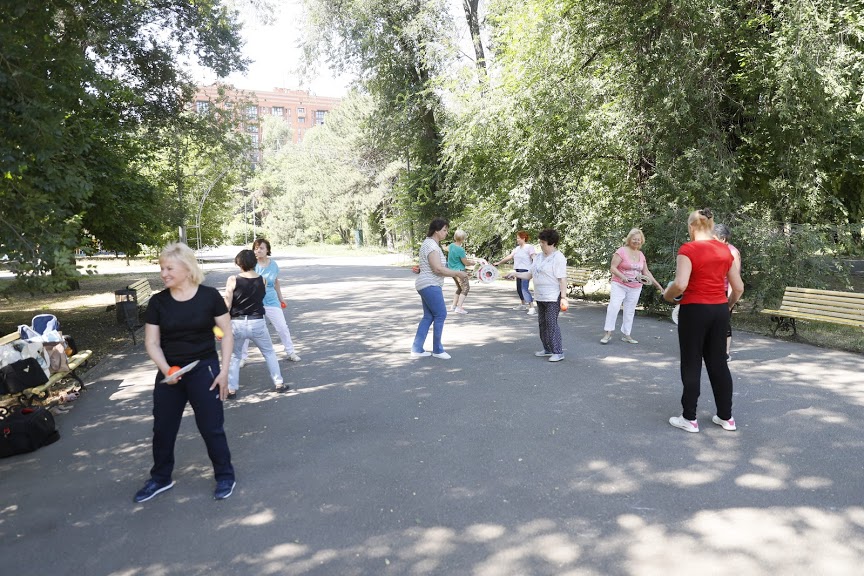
[
  {"x": 181, "y": 253},
  {"x": 460, "y": 235},
  {"x": 634, "y": 232}
]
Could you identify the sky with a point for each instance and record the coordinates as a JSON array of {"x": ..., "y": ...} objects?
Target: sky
[{"x": 277, "y": 57}]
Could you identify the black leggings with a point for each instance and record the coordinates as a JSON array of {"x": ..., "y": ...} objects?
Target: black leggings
[{"x": 702, "y": 336}]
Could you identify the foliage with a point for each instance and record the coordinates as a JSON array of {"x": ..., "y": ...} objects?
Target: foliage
[
  {"x": 82, "y": 85},
  {"x": 327, "y": 185}
]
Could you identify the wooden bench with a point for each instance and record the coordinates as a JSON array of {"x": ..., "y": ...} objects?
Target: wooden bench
[
  {"x": 830, "y": 306},
  {"x": 576, "y": 279},
  {"x": 37, "y": 394},
  {"x": 143, "y": 293}
]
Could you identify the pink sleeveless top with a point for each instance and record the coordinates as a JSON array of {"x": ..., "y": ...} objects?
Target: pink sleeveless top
[{"x": 629, "y": 268}]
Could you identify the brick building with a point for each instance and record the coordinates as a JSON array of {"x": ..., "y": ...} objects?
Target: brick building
[{"x": 299, "y": 108}]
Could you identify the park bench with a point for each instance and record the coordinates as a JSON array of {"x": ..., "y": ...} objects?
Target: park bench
[
  {"x": 40, "y": 394},
  {"x": 128, "y": 312},
  {"x": 576, "y": 279},
  {"x": 846, "y": 308}
]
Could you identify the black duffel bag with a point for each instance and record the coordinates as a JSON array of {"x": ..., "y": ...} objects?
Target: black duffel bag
[
  {"x": 27, "y": 430},
  {"x": 21, "y": 375}
]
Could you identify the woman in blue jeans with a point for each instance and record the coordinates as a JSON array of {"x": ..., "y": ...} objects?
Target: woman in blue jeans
[
  {"x": 429, "y": 284},
  {"x": 244, "y": 296}
]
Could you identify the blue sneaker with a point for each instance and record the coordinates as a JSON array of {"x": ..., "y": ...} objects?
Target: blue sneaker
[
  {"x": 152, "y": 488},
  {"x": 224, "y": 489}
]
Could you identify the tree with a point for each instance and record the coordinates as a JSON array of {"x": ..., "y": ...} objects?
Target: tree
[
  {"x": 397, "y": 49},
  {"x": 81, "y": 84}
]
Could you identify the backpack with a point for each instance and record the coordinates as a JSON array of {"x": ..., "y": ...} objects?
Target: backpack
[
  {"x": 27, "y": 430},
  {"x": 42, "y": 323}
]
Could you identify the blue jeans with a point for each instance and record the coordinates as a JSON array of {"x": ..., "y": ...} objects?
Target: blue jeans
[
  {"x": 522, "y": 288},
  {"x": 434, "y": 313},
  {"x": 255, "y": 330}
]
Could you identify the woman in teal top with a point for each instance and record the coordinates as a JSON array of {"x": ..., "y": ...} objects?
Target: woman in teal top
[{"x": 457, "y": 259}]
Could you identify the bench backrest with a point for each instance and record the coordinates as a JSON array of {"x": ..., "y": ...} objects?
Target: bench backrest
[
  {"x": 829, "y": 303},
  {"x": 142, "y": 290},
  {"x": 578, "y": 274}
]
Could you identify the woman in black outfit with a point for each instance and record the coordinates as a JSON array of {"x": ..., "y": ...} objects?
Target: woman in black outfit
[{"x": 179, "y": 330}]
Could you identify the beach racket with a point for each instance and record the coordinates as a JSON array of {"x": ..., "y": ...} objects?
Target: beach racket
[
  {"x": 487, "y": 274},
  {"x": 643, "y": 279},
  {"x": 675, "y": 313},
  {"x": 188, "y": 368}
]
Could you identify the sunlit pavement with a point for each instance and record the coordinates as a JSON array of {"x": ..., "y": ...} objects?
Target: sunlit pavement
[{"x": 492, "y": 463}]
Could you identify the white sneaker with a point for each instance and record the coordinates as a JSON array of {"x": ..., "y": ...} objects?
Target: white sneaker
[
  {"x": 628, "y": 339},
  {"x": 556, "y": 357},
  {"x": 520, "y": 307},
  {"x": 442, "y": 356},
  {"x": 605, "y": 339},
  {"x": 420, "y": 354},
  {"x": 532, "y": 311},
  {"x": 242, "y": 362},
  {"x": 452, "y": 308},
  {"x": 461, "y": 311},
  {"x": 293, "y": 357},
  {"x": 725, "y": 424},
  {"x": 686, "y": 425}
]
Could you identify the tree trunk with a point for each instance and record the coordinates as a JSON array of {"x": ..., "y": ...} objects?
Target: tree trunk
[{"x": 473, "y": 17}]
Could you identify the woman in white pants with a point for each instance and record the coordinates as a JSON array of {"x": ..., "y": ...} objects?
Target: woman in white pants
[
  {"x": 273, "y": 301},
  {"x": 629, "y": 269}
]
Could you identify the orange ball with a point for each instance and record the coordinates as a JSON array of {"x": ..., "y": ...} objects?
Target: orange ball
[
  {"x": 218, "y": 332},
  {"x": 173, "y": 369},
  {"x": 564, "y": 305},
  {"x": 283, "y": 305}
]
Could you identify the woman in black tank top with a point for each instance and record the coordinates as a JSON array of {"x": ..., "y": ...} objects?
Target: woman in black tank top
[{"x": 244, "y": 296}]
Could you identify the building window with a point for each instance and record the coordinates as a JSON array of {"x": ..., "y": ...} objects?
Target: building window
[
  {"x": 319, "y": 117},
  {"x": 202, "y": 107},
  {"x": 301, "y": 120},
  {"x": 254, "y": 141},
  {"x": 300, "y": 135},
  {"x": 277, "y": 111},
  {"x": 252, "y": 111},
  {"x": 253, "y": 128},
  {"x": 301, "y": 111}
]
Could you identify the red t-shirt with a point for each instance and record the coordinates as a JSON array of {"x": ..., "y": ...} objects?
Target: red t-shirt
[{"x": 711, "y": 260}]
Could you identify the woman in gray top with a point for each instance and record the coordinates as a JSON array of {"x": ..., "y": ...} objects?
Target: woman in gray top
[{"x": 433, "y": 270}]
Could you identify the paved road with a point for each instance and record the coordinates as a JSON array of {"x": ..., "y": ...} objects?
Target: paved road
[{"x": 492, "y": 463}]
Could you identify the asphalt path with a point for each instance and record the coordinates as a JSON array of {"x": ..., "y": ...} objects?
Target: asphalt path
[{"x": 492, "y": 463}]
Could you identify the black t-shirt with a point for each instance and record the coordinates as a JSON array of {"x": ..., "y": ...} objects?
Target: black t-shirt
[
  {"x": 248, "y": 299},
  {"x": 186, "y": 328}
]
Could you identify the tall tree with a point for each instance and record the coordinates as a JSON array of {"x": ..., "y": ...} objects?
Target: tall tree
[
  {"x": 396, "y": 48},
  {"x": 81, "y": 83}
]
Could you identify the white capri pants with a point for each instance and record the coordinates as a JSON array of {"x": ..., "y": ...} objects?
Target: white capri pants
[
  {"x": 276, "y": 316},
  {"x": 629, "y": 297}
]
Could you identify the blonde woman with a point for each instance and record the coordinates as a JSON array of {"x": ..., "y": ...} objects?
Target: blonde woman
[
  {"x": 701, "y": 267},
  {"x": 457, "y": 259},
  {"x": 629, "y": 269},
  {"x": 178, "y": 331}
]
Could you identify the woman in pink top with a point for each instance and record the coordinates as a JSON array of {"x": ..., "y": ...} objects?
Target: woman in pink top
[{"x": 629, "y": 271}]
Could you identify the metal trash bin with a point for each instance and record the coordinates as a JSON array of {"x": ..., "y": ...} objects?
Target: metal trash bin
[{"x": 126, "y": 302}]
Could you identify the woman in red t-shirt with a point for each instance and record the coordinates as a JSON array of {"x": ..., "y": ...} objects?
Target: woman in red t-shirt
[{"x": 703, "y": 266}]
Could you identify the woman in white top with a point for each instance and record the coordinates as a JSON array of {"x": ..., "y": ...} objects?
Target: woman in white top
[
  {"x": 549, "y": 271},
  {"x": 629, "y": 271},
  {"x": 429, "y": 283},
  {"x": 522, "y": 256}
]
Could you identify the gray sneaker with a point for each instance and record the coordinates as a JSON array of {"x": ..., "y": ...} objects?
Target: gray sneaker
[
  {"x": 556, "y": 357},
  {"x": 542, "y": 354}
]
